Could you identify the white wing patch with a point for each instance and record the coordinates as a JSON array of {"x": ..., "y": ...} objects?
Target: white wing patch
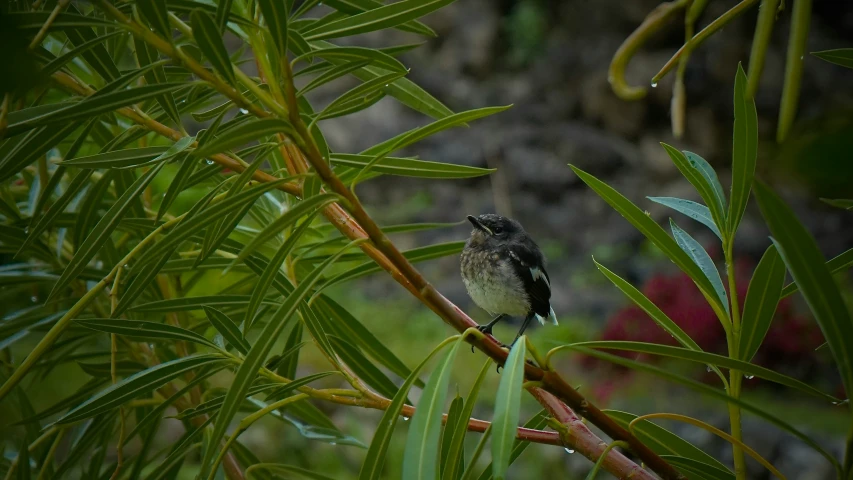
[
  {"x": 551, "y": 316},
  {"x": 537, "y": 274}
]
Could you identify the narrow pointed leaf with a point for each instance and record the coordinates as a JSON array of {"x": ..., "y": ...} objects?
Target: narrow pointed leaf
[
  {"x": 194, "y": 303},
  {"x": 839, "y": 56},
  {"x": 377, "y": 19},
  {"x": 696, "y": 170},
  {"x": 744, "y": 151},
  {"x": 341, "y": 55},
  {"x": 254, "y": 471},
  {"x": 129, "y": 157},
  {"x": 136, "y": 385},
  {"x": 412, "y": 136},
  {"x": 60, "y": 61},
  {"x": 34, "y": 145},
  {"x": 143, "y": 329},
  {"x": 507, "y": 405},
  {"x": 846, "y": 204},
  {"x": 228, "y": 329},
  {"x": 371, "y": 468},
  {"x": 836, "y": 264},
  {"x": 154, "y": 11},
  {"x": 209, "y": 39},
  {"x": 714, "y": 393},
  {"x": 698, "y": 254},
  {"x": 694, "y": 210},
  {"x": 455, "y": 455},
  {"x": 537, "y": 422},
  {"x": 661, "y": 440},
  {"x": 409, "y": 167},
  {"x": 74, "y": 187},
  {"x": 332, "y": 74},
  {"x": 140, "y": 282},
  {"x": 242, "y": 134},
  {"x": 353, "y": 7},
  {"x": 272, "y": 269},
  {"x": 275, "y": 15},
  {"x": 454, "y": 418},
  {"x": 656, "y": 234},
  {"x": 806, "y": 264},
  {"x": 257, "y": 355},
  {"x": 698, "y": 470},
  {"x": 765, "y": 288},
  {"x": 362, "y": 367},
  {"x": 710, "y": 359},
  {"x": 101, "y": 233}
]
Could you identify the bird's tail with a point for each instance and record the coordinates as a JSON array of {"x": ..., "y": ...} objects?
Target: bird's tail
[{"x": 551, "y": 316}]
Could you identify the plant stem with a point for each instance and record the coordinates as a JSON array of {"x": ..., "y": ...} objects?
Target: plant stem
[{"x": 735, "y": 376}]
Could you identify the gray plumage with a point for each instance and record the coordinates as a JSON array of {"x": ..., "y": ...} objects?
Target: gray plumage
[{"x": 504, "y": 271}]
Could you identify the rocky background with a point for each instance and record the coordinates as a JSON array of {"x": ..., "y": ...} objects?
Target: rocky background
[{"x": 549, "y": 59}]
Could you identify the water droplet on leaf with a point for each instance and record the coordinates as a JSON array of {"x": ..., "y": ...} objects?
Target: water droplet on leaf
[
  {"x": 654, "y": 84},
  {"x": 750, "y": 377},
  {"x": 405, "y": 419},
  {"x": 34, "y": 299},
  {"x": 244, "y": 111},
  {"x": 569, "y": 450}
]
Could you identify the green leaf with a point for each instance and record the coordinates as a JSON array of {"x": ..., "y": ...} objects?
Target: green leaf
[
  {"x": 409, "y": 167},
  {"x": 702, "y": 176},
  {"x": 806, "y": 264},
  {"x": 34, "y": 145},
  {"x": 62, "y": 21},
  {"x": 130, "y": 157},
  {"x": 408, "y": 138},
  {"x": 537, "y": 422},
  {"x": 353, "y": 7},
  {"x": 288, "y": 218},
  {"x": 195, "y": 303},
  {"x": 223, "y": 9},
  {"x": 839, "y": 56},
  {"x": 242, "y": 134},
  {"x": 212, "y": 405},
  {"x": 694, "y": 210},
  {"x": 507, "y": 405},
  {"x": 709, "y": 359},
  {"x": 209, "y": 40},
  {"x": 652, "y": 310},
  {"x": 189, "y": 226},
  {"x": 744, "y": 151},
  {"x": 698, "y": 470},
  {"x": 377, "y": 19},
  {"x": 136, "y": 385},
  {"x": 711, "y": 392},
  {"x": 362, "y": 367},
  {"x": 661, "y": 440},
  {"x": 371, "y": 468},
  {"x": 177, "y": 185},
  {"x": 92, "y": 106},
  {"x": 765, "y": 288},
  {"x": 455, "y": 455},
  {"x": 454, "y": 418},
  {"x": 297, "y": 383},
  {"x": 340, "y": 55},
  {"x": 257, "y": 355},
  {"x": 74, "y": 187},
  {"x": 355, "y": 94},
  {"x": 363, "y": 338},
  {"x": 252, "y": 472},
  {"x": 101, "y": 233},
  {"x": 273, "y": 269},
  {"x": 835, "y": 265},
  {"x": 699, "y": 256},
  {"x": 275, "y": 15},
  {"x": 140, "y": 282},
  {"x": 414, "y": 255},
  {"x": 840, "y": 203},
  {"x": 331, "y": 74},
  {"x": 143, "y": 329},
  {"x": 154, "y": 11},
  {"x": 60, "y": 61},
  {"x": 228, "y": 329},
  {"x": 656, "y": 235}
]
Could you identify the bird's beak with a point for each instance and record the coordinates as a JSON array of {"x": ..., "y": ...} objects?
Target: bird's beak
[{"x": 478, "y": 225}]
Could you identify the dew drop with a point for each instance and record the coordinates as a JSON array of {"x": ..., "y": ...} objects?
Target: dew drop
[
  {"x": 708, "y": 368},
  {"x": 34, "y": 299},
  {"x": 569, "y": 450},
  {"x": 750, "y": 377},
  {"x": 386, "y": 85},
  {"x": 332, "y": 443},
  {"x": 99, "y": 265},
  {"x": 244, "y": 111},
  {"x": 126, "y": 266},
  {"x": 654, "y": 84},
  {"x": 209, "y": 162},
  {"x": 405, "y": 419}
]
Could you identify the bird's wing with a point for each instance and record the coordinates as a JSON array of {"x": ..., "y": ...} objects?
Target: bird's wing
[{"x": 529, "y": 266}]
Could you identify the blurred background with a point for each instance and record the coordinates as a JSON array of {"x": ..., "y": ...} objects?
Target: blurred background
[{"x": 549, "y": 59}]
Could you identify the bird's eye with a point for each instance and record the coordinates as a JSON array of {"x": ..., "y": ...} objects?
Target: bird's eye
[{"x": 498, "y": 230}]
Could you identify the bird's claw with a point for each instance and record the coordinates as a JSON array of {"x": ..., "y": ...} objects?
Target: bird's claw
[{"x": 487, "y": 329}]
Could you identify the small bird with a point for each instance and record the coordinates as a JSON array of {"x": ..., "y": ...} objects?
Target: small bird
[{"x": 504, "y": 272}]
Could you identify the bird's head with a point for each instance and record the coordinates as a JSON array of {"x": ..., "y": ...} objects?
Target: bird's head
[{"x": 491, "y": 229}]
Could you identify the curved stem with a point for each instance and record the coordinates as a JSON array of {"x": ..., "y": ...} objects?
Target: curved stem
[{"x": 735, "y": 376}]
